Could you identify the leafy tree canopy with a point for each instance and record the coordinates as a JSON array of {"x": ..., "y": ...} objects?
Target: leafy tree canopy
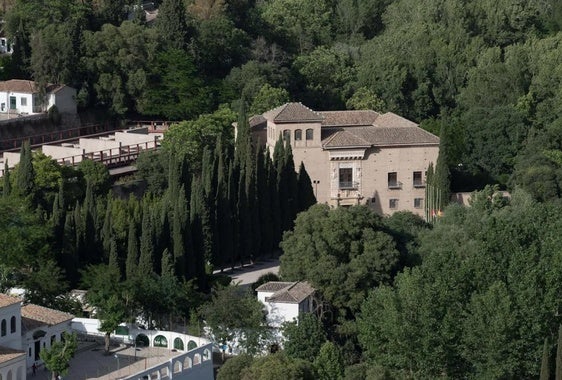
[{"x": 343, "y": 253}]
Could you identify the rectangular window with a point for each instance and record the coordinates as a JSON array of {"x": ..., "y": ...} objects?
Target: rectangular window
[
  {"x": 24, "y": 102},
  {"x": 393, "y": 180},
  {"x": 346, "y": 178},
  {"x": 393, "y": 204},
  {"x": 418, "y": 180},
  {"x": 418, "y": 202}
]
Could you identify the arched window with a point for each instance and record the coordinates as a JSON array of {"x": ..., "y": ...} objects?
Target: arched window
[
  {"x": 197, "y": 359},
  {"x": 206, "y": 355},
  {"x": 3, "y": 328},
  {"x": 142, "y": 340},
  {"x": 310, "y": 134},
  {"x": 13, "y": 325},
  {"x": 160, "y": 341},
  {"x": 287, "y": 135},
  {"x": 178, "y": 344},
  {"x": 298, "y": 135},
  {"x": 191, "y": 345}
]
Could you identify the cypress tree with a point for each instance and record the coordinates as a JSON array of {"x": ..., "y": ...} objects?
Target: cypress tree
[
  {"x": 58, "y": 218},
  {"x": 545, "y": 363},
  {"x": 180, "y": 236},
  {"x": 106, "y": 231},
  {"x": 7, "y": 188},
  {"x": 558, "y": 373},
  {"x": 281, "y": 185},
  {"x": 90, "y": 255},
  {"x": 25, "y": 180},
  {"x": 430, "y": 205},
  {"x": 146, "y": 257},
  {"x": 261, "y": 208},
  {"x": 209, "y": 178},
  {"x": 233, "y": 182},
  {"x": 265, "y": 204},
  {"x": 69, "y": 259},
  {"x": 79, "y": 229},
  {"x": 441, "y": 180},
  {"x": 197, "y": 256},
  {"x": 243, "y": 220},
  {"x": 167, "y": 264},
  {"x": 276, "y": 214},
  {"x": 290, "y": 176},
  {"x": 306, "y": 193},
  {"x": 113, "y": 261},
  {"x": 132, "y": 252}
]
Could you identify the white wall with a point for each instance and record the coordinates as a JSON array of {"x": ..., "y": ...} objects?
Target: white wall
[
  {"x": 14, "y": 368},
  {"x": 5, "y": 99},
  {"x": 11, "y": 339},
  {"x": 91, "y": 326},
  {"x": 64, "y": 99},
  {"x": 97, "y": 144},
  {"x": 57, "y": 152}
]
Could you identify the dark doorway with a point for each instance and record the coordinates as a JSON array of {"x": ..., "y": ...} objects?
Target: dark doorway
[{"x": 37, "y": 349}]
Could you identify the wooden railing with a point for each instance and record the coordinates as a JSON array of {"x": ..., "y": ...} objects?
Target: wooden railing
[{"x": 113, "y": 157}]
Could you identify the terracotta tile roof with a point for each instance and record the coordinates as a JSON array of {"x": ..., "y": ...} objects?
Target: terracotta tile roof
[
  {"x": 7, "y": 354},
  {"x": 348, "y": 118},
  {"x": 345, "y": 138},
  {"x": 287, "y": 292},
  {"x": 273, "y": 286},
  {"x": 29, "y": 324},
  {"x": 257, "y": 120},
  {"x": 44, "y": 315},
  {"x": 390, "y": 119},
  {"x": 387, "y": 129},
  {"x": 26, "y": 86},
  {"x": 6, "y": 300},
  {"x": 295, "y": 293},
  {"x": 292, "y": 113}
]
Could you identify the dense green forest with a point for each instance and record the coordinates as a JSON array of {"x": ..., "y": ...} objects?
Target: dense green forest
[
  {"x": 475, "y": 295},
  {"x": 482, "y": 74}
]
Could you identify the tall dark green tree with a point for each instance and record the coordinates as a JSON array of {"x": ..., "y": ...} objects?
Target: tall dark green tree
[
  {"x": 305, "y": 192},
  {"x": 146, "y": 257},
  {"x": 171, "y": 24},
  {"x": 545, "y": 363},
  {"x": 200, "y": 232},
  {"x": 25, "y": 179},
  {"x": 558, "y": 373},
  {"x": 7, "y": 185},
  {"x": 132, "y": 252}
]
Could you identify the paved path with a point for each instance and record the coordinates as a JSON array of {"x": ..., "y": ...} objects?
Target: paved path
[{"x": 250, "y": 273}]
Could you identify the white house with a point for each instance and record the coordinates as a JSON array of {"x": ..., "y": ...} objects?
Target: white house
[
  {"x": 41, "y": 327},
  {"x": 23, "y": 97},
  {"x": 24, "y": 332},
  {"x": 284, "y": 301},
  {"x": 12, "y": 356}
]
